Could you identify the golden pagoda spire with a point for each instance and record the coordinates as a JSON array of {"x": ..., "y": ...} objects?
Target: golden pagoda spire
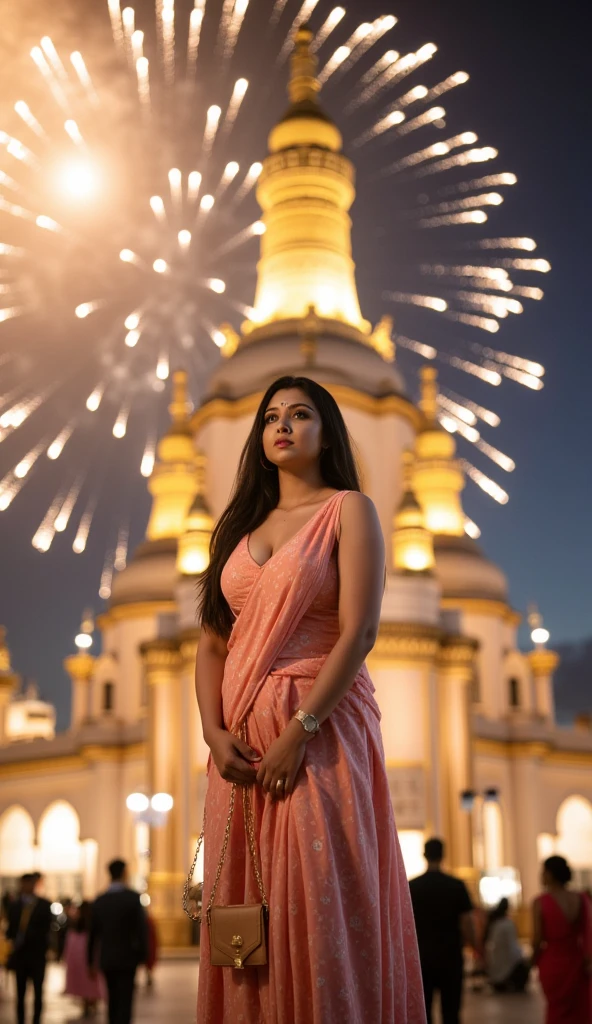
[
  {"x": 306, "y": 189},
  {"x": 413, "y": 549},
  {"x": 8, "y": 683},
  {"x": 437, "y": 477},
  {"x": 173, "y": 479},
  {"x": 303, "y": 86},
  {"x": 193, "y": 552}
]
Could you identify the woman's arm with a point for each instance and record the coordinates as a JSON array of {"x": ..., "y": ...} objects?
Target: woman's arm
[
  {"x": 361, "y": 585},
  {"x": 231, "y": 755}
]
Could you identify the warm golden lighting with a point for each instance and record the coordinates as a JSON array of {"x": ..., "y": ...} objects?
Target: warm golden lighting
[
  {"x": 24, "y": 112},
  {"x": 160, "y": 266},
  {"x": 483, "y": 322},
  {"x": 120, "y": 425},
  {"x": 94, "y": 399},
  {"x": 489, "y": 376},
  {"x": 162, "y": 367},
  {"x": 132, "y": 321},
  {"x": 127, "y": 256},
  {"x": 216, "y": 285},
  {"x": 540, "y": 266},
  {"x": 428, "y": 301},
  {"x": 132, "y": 337},
  {"x": 85, "y": 309},
  {"x": 47, "y": 223},
  {"x": 471, "y": 529},
  {"x": 78, "y": 179},
  {"x": 56, "y": 447},
  {"x": 341, "y": 54},
  {"x": 184, "y": 238},
  {"x": 427, "y": 351},
  {"x": 428, "y": 117},
  {"x": 485, "y": 483},
  {"x": 193, "y": 185},
  {"x": 468, "y": 217}
]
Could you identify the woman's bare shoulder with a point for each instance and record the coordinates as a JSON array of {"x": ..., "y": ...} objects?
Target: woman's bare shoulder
[{"x": 358, "y": 513}]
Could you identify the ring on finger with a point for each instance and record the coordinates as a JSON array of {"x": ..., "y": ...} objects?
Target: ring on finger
[{"x": 280, "y": 784}]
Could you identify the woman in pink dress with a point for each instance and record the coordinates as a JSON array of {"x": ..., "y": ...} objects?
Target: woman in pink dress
[
  {"x": 78, "y": 980},
  {"x": 562, "y": 946},
  {"x": 290, "y": 608}
]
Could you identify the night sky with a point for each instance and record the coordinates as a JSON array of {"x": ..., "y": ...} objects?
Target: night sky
[{"x": 527, "y": 97}]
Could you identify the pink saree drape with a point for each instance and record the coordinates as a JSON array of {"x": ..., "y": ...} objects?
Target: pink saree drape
[{"x": 342, "y": 944}]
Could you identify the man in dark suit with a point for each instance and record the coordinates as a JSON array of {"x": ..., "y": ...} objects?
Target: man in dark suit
[
  {"x": 443, "y": 919},
  {"x": 29, "y": 924},
  {"x": 118, "y": 927}
]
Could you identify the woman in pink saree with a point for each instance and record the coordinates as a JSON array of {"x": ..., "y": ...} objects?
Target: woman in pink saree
[{"x": 290, "y": 608}]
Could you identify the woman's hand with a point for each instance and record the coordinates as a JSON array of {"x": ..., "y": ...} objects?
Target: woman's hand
[
  {"x": 233, "y": 757},
  {"x": 282, "y": 761}
]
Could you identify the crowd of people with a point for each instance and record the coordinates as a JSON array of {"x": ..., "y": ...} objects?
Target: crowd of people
[
  {"x": 101, "y": 944},
  {"x": 447, "y": 923}
]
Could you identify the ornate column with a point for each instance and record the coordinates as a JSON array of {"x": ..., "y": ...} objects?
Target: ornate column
[
  {"x": 456, "y": 669},
  {"x": 542, "y": 665},
  {"x": 80, "y": 668},
  {"x": 168, "y": 863},
  {"x": 8, "y": 684}
]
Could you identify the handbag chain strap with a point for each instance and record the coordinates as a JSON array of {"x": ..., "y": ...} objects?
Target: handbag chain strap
[{"x": 250, "y": 833}]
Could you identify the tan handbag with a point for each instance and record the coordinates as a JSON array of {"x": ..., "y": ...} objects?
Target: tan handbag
[{"x": 237, "y": 933}]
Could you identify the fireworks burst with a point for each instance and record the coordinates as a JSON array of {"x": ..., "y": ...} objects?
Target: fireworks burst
[{"x": 128, "y": 228}]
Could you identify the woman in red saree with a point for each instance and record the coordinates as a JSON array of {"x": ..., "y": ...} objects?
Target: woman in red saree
[
  {"x": 563, "y": 946},
  {"x": 290, "y": 608}
]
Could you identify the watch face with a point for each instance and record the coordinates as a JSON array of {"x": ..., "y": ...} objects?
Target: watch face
[{"x": 309, "y": 723}]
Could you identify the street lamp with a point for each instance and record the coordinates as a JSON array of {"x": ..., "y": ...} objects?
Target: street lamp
[{"x": 148, "y": 812}]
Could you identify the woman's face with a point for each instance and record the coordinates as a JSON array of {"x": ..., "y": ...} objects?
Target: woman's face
[{"x": 293, "y": 431}]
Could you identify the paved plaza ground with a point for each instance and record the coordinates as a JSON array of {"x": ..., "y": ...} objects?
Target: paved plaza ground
[{"x": 172, "y": 1001}]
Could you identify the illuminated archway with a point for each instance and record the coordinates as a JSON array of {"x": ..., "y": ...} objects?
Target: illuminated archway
[
  {"x": 574, "y": 832},
  {"x": 493, "y": 836},
  {"x": 17, "y": 842},
  {"x": 58, "y": 839}
]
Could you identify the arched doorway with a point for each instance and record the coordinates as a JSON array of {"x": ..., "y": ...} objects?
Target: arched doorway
[
  {"x": 574, "y": 836},
  {"x": 68, "y": 865},
  {"x": 17, "y": 846}
]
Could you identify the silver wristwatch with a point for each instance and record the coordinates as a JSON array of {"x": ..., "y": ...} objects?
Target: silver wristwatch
[{"x": 310, "y": 724}]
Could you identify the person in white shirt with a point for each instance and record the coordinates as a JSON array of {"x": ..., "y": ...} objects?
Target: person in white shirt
[{"x": 507, "y": 968}]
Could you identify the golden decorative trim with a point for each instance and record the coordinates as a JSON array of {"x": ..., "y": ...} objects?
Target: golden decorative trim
[
  {"x": 544, "y": 751},
  {"x": 160, "y": 655},
  {"x": 135, "y": 610},
  {"x": 483, "y": 606},
  {"x": 87, "y": 756},
  {"x": 542, "y": 661},
  {"x": 457, "y": 652},
  {"x": 223, "y": 408},
  {"x": 404, "y": 640}
]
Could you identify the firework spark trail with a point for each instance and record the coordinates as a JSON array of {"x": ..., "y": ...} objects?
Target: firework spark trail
[
  {"x": 301, "y": 18},
  {"x": 428, "y": 117},
  {"x": 484, "y": 323},
  {"x": 527, "y": 379},
  {"x": 489, "y": 181},
  {"x": 8, "y": 492},
  {"x": 329, "y": 25},
  {"x": 471, "y": 529},
  {"x": 427, "y": 351},
  {"x": 499, "y": 305},
  {"x": 24, "y": 112},
  {"x": 489, "y": 417},
  {"x": 54, "y": 86},
  {"x": 485, "y": 483},
  {"x": 460, "y": 427},
  {"x": 386, "y": 61},
  {"x": 249, "y": 182},
  {"x": 211, "y": 128},
  {"x": 17, "y": 149},
  {"x": 474, "y": 369},
  {"x": 451, "y": 206},
  {"x": 107, "y": 575},
  {"x": 77, "y": 61},
  {"x": 137, "y": 46},
  {"x": 452, "y": 82},
  {"x": 63, "y": 517},
  {"x": 427, "y": 301},
  {"x": 393, "y": 74},
  {"x": 527, "y": 244},
  {"x": 79, "y": 542},
  {"x": 461, "y": 412},
  {"x": 278, "y": 10},
  {"x": 539, "y": 266},
  {"x": 437, "y": 149},
  {"x": 57, "y": 446},
  {"x": 43, "y": 536},
  {"x": 148, "y": 457},
  {"x": 472, "y": 156},
  {"x": 53, "y": 59},
  {"x": 529, "y": 367},
  {"x": 116, "y": 24},
  {"x": 528, "y": 293},
  {"x": 341, "y": 54},
  {"x": 469, "y": 217},
  {"x": 230, "y": 172},
  {"x": 224, "y": 26},
  {"x": 496, "y": 456},
  {"x": 168, "y": 40},
  {"x": 464, "y": 270},
  {"x": 234, "y": 28},
  {"x": 193, "y": 185},
  {"x": 142, "y": 72},
  {"x": 193, "y": 39},
  {"x": 120, "y": 560},
  {"x": 238, "y": 94},
  {"x": 365, "y": 37},
  {"x": 120, "y": 425}
]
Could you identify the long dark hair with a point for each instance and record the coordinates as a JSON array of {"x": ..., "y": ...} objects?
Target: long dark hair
[{"x": 256, "y": 491}]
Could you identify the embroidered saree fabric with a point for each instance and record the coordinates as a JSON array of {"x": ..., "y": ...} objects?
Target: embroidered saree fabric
[{"x": 342, "y": 945}]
